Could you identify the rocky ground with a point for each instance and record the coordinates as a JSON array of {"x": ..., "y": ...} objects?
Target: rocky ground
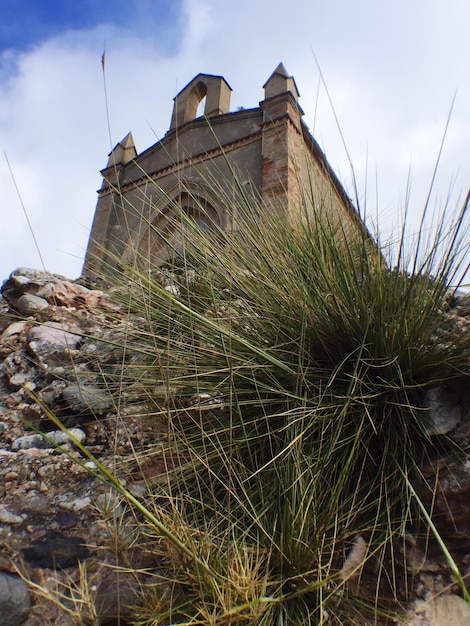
[{"x": 57, "y": 338}]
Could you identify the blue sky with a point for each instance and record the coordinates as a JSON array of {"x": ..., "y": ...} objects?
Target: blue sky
[
  {"x": 26, "y": 23},
  {"x": 391, "y": 70}
]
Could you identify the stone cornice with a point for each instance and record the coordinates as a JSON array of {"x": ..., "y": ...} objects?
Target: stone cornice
[{"x": 193, "y": 160}]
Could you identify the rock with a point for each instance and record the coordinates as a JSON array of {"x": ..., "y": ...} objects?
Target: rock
[
  {"x": 12, "y": 331},
  {"x": 78, "y": 504},
  {"x": 21, "y": 380},
  {"x": 65, "y": 293},
  {"x": 30, "y": 441},
  {"x": 87, "y": 399},
  {"x": 15, "y": 602},
  {"x": 48, "y": 440},
  {"x": 37, "y": 505},
  {"x": 444, "y": 411},
  {"x": 50, "y": 393},
  {"x": 52, "y": 289},
  {"x": 117, "y": 592},
  {"x": 53, "y": 333},
  {"x": 61, "y": 437},
  {"x": 25, "y": 281},
  {"x": 7, "y": 517},
  {"x": 109, "y": 505},
  {"x": 51, "y": 343},
  {"x": 29, "y": 304},
  {"x": 462, "y": 303},
  {"x": 55, "y": 550},
  {"x": 447, "y": 491},
  {"x": 173, "y": 290},
  {"x": 352, "y": 566},
  {"x": 441, "y": 611}
]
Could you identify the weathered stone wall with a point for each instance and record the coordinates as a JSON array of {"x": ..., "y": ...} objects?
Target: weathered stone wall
[{"x": 268, "y": 150}]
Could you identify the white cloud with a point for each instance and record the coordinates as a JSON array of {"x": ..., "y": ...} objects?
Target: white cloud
[{"x": 391, "y": 70}]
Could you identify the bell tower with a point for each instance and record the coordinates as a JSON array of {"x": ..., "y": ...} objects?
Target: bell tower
[
  {"x": 203, "y": 159},
  {"x": 215, "y": 89}
]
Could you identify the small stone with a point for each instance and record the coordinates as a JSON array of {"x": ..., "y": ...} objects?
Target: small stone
[
  {"x": 444, "y": 412},
  {"x": 15, "y": 601},
  {"x": 87, "y": 399},
  {"x": 12, "y": 331},
  {"x": 48, "y": 440},
  {"x": 29, "y": 441},
  {"x": 26, "y": 275},
  {"x": 76, "y": 505},
  {"x": 109, "y": 504},
  {"x": 52, "y": 344},
  {"x": 172, "y": 289},
  {"x": 50, "y": 393},
  {"x": 38, "y": 504},
  {"x": 45, "y": 470},
  {"x": 117, "y": 591},
  {"x": 61, "y": 437},
  {"x": 139, "y": 490},
  {"x": 9, "y": 476},
  {"x": 53, "y": 334},
  {"x": 29, "y": 304},
  {"x": 19, "y": 379},
  {"x": 55, "y": 550},
  {"x": 441, "y": 611},
  {"x": 19, "y": 276},
  {"x": 7, "y": 517}
]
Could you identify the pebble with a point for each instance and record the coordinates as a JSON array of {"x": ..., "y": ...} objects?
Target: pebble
[
  {"x": 444, "y": 610},
  {"x": 7, "y": 517},
  {"x": 172, "y": 289},
  {"x": 54, "y": 438},
  {"x": 116, "y": 592},
  {"x": 15, "y": 601},
  {"x": 51, "y": 344},
  {"x": 87, "y": 399},
  {"x": 28, "y": 304},
  {"x": 20, "y": 379},
  {"x": 110, "y": 505},
  {"x": 444, "y": 412},
  {"x": 55, "y": 550},
  {"x": 12, "y": 331},
  {"x": 76, "y": 505},
  {"x": 37, "y": 504},
  {"x": 53, "y": 333},
  {"x": 139, "y": 490}
]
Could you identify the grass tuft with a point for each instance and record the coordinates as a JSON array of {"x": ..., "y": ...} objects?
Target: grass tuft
[
  {"x": 288, "y": 360},
  {"x": 294, "y": 358}
]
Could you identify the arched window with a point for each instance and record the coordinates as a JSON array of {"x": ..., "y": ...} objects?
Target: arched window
[{"x": 169, "y": 232}]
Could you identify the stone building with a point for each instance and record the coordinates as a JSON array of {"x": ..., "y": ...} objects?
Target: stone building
[{"x": 268, "y": 150}]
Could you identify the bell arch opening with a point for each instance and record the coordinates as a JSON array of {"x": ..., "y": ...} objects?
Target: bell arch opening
[{"x": 196, "y": 97}]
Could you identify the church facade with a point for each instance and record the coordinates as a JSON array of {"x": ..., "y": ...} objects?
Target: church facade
[{"x": 268, "y": 149}]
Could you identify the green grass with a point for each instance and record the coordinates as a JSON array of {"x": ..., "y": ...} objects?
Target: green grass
[
  {"x": 288, "y": 364},
  {"x": 295, "y": 359}
]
